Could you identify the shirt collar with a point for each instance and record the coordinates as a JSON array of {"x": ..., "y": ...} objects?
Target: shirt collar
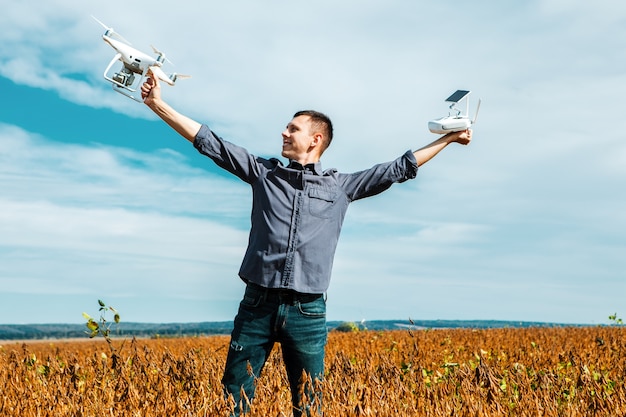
[{"x": 313, "y": 168}]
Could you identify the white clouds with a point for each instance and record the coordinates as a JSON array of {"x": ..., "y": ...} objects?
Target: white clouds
[
  {"x": 96, "y": 175},
  {"x": 97, "y": 221},
  {"x": 376, "y": 68}
]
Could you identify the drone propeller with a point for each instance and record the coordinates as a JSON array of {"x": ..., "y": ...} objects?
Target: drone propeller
[
  {"x": 161, "y": 55},
  {"x": 110, "y": 31},
  {"x": 175, "y": 76},
  {"x": 161, "y": 75}
]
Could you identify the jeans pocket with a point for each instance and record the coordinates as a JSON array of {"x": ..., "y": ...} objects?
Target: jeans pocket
[
  {"x": 313, "y": 309},
  {"x": 249, "y": 305},
  {"x": 251, "y": 298}
]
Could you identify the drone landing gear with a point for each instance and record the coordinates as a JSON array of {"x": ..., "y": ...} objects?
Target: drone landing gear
[{"x": 128, "y": 92}]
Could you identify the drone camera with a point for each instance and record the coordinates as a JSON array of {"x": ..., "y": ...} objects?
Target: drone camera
[{"x": 124, "y": 77}]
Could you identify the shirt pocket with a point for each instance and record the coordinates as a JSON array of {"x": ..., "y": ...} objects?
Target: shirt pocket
[{"x": 322, "y": 201}]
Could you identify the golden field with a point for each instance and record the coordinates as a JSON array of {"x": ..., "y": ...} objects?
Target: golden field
[{"x": 457, "y": 372}]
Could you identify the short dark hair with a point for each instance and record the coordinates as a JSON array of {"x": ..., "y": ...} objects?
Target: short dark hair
[{"x": 320, "y": 123}]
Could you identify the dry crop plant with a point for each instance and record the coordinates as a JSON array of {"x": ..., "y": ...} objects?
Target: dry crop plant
[
  {"x": 174, "y": 377},
  {"x": 500, "y": 372}
]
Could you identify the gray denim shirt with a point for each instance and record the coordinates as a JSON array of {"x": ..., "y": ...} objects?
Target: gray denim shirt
[{"x": 297, "y": 211}]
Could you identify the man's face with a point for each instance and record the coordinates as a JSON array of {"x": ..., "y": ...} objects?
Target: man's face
[{"x": 297, "y": 139}]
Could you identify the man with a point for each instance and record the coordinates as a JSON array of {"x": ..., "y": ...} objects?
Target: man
[{"x": 297, "y": 213}]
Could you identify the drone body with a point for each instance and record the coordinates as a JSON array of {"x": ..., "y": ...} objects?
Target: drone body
[
  {"x": 135, "y": 66},
  {"x": 457, "y": 122}
]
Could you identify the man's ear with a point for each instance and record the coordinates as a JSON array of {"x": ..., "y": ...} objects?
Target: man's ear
[{"x": 318, "y": 138}]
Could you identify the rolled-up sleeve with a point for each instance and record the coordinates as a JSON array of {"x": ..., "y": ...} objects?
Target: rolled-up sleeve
[
  {"x": 232, "y": 158},
  {"x": 410, "y": 166}
]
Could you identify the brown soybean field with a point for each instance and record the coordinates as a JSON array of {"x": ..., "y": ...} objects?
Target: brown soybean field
[{"x": 561, "y": 371}]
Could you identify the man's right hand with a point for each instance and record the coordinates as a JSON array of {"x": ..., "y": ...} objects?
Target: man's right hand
[
  {"x": 151, "y": 95},
  {"x": 150, "y": 89}
]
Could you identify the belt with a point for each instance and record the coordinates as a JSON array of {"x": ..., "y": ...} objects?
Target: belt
[{"x": 283, "y": 296}]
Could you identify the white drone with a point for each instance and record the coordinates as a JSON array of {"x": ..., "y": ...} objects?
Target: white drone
[
  {"x": 135, "y": 66},
  {"x": 454, "y": 122}
]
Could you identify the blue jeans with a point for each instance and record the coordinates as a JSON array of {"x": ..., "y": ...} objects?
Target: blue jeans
[{"x": 266, "y": 316}]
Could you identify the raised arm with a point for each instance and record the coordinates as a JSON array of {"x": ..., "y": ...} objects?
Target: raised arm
[
  {"x": 151, "y": 94},
  {"x": 426, "y": 153}
]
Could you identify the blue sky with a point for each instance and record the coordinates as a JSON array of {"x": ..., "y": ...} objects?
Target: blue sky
[{"x": 100, "y": 200}]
